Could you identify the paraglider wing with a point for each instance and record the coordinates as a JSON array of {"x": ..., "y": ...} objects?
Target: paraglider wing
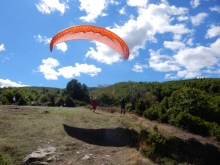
[{"x": 95, "y": 33}]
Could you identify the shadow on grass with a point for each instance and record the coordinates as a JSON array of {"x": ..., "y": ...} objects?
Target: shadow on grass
[
  {"x": 115, "y": 137},
  {"x": 155, "y": 146}
]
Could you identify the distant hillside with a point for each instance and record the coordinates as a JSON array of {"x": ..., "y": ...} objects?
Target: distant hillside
[{"x": 161, "y": 89}]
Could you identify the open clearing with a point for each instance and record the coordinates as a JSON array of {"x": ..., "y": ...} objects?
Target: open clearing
[{"x": 79, "y": 136}]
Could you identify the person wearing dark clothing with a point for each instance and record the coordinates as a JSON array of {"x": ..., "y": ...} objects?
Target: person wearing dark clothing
[{"x": 123, "y": 102}]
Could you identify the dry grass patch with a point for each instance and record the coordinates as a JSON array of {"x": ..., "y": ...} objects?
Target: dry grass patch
[{"x": 74, "y": 132}]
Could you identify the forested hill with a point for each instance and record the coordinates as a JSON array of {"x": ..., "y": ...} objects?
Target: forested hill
[{"x": 159, "y": 89}]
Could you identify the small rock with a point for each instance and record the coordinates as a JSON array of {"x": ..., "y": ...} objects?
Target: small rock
[
  {"x": 87, "y": 157},
  {"x": 50, "y": 159},
  {"x": 40, "y": 163},
  {"x": 38, "y": 155}
]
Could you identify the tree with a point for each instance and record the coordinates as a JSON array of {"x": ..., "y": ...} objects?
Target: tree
[
  {"x": 192, "y": 101},
  {"x": 52, "y": 97},
  {"x": 77, "y": 91},
  {"x": 105, "y": 100}
]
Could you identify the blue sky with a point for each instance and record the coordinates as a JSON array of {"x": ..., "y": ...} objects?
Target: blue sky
[{"x": 168, "y": 40}]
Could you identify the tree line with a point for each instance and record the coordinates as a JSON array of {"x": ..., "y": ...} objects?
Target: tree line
[{"x": 75, "y": 94}]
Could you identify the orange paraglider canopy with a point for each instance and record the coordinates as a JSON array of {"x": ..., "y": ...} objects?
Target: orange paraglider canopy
[{"x": 91, "y": 32}]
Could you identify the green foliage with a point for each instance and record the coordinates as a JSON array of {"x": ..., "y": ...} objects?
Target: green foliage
[
  {"x": 22, "y": 101},
  {"x": 44, "y": 99},
  {"x": 77, "y": 91},
  {"x": 158, "y": 143},
  {"x": 141, "y": 107},
  {"x": 192, "y": 123},
  {"x": 69, "y": 101},
  {"x": 153, "y": 112},
  {"x": 173, "y": 150},
  {"x": 79, "y": 103},
  {"x": 3, "y": 161},
  {"x": 106, "y": 100},
  {"x": 152, "y": 145},
  {"x": 128, "y": 106},
  {"x": 190, "y": 100}
]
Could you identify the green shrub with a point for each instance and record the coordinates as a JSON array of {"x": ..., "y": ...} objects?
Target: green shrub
[
  {"x": 128, "y": 106},
  {"x": 22, "y": 101},
  {"x": 79, "y": 103},
  {"x": 192, "y": 101},
  {"x": 214, "y": 129},
  {"x": 141, "y": 107},
  {"x": 191, "y": 123},
  {"x": 69, "y": 102}
]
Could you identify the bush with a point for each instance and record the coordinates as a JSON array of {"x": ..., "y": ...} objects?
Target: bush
[
  {"x": 214, "y": 129},
  {"x": 22, "y": 101},
  {"x": 152, "y": 145},
  {"x": 192, "y": 101},
  {"x": 79, "y": 103},
  {"x": 69, "y": 102},
  {"x": 192, "y": 123},
  {"x": 141, "y": 107},
  {"x": 128, "y": 106},
  {"x": 151, "y": 114}
]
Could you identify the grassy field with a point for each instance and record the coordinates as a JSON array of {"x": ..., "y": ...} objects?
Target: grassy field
[
  {"x": 24, "y": 129},
  {"x": 82, "y": 137}
]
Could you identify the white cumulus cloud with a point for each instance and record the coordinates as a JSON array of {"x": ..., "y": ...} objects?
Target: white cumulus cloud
[
  {"x": 174, "y": 45},
  {"x": 198, "y": 19},
  {"x": 61, "y": 46},
  {"x": 200, "y": 57},
  {"x": 48, "y": 68},
  {"x": 2, "y": 47},
  {"x": 194, "y": 3},
  {"x": 70, "y": 71},
  {"x": 139, "y": 67},
  {"x": 188, "y": 62},
  {"x": 213, "y": 31},
  {"x": 162, "y": 63},
  {"x": 94, "y": 9},
  {"x": 43, "y": 39},
  {"x": 49, "y": 6},
  {"x": 138, "y": 3},
  {"x": 122, "y": 11},
  {"x": 9, "y": 83},
  {"x": 182, "y": 18},
  {"x": 215, "y": 8},
  {"x": 136, "y": 32}
]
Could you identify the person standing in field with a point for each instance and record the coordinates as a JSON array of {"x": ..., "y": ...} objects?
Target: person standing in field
[
  {"x": 94, "y": 104},
  {"x": 14, "y": 100},
  {"x": 123, "y": 102}
]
